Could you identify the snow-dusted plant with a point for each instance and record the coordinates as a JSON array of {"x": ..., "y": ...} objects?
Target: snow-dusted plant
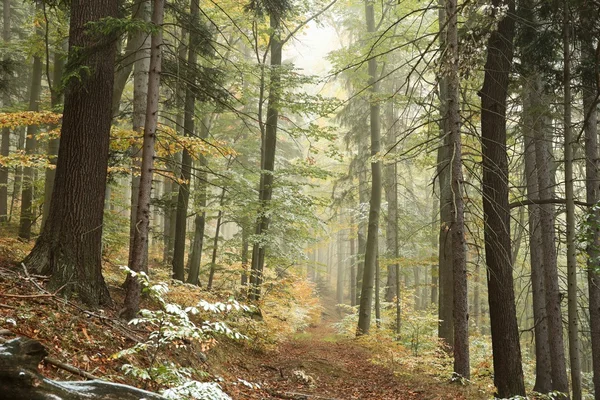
[
  {"x": 171, "y": 325},
  {"x": 196, "y": 390}
]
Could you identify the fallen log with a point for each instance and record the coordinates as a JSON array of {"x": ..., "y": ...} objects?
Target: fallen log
[{"x": 20, "y": 379}]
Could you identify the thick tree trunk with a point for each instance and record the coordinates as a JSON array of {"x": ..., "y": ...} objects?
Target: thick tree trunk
[
  {"x": 186, "y": 160},
  {"x": 531, "y": 108},
  {"x": 508, "y": 371},
  {"x": 268, "y": 160},
  {"x": 70, "y": 244},
  {"x": 27, "y": 212},
  {"x": 445, "y": 270},
  {"x": 371, "y": 250},
  {"x": 363, "y": 199},
  {"x": 139, "y": 251},
  {"x": 574, "y": 348},
  {"x": 6, "y": 101}
]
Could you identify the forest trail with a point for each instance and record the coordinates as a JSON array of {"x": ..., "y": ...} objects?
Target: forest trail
[{"x": 319, "y": 364}]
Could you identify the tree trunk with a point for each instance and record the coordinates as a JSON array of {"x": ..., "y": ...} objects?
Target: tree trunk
[
  {"x": 371, "y": 250},
  {"x": 508, "y": 371},
  {"x": 574, "y": 348},
  {"x": 592, "y": 165},
  {"x": 141, "y": 68},
  {"x": 531, "y": 115},
  {"x": 16, "y": 192},
  {"x": 56, "y": 100},
  {"x": 69, "y": 246},
  {"x": 268, "y": 160},
  {"x": 363, "y": 199},
  {"x": 339, "y": 287},
  {"x": 27, "y": 211},
  {"x": 200, "y": 220},
  {"x": 445, "y": 270},
  {"x": 6, "y": 101},
  {"x": 139, "y": 252},
  {"x": 213, "y": 261},
  {"x": 353, "y": 256},
  {"x": 459, "y": 260},
  {"x": 186, "y": 160},
  {"x": 391, "y": 196}
]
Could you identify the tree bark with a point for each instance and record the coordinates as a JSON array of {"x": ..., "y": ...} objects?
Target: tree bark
[
  {"x": 186, "y": 159},
  {"x": 56, "y": 101},
  {"x": 531, "y": 115},
  {"x": 445, "y": 270},
  {"x": 353, "y": 257},
  {"x": 268, "y": 160},
  {"x": 200, "y": 220},
  {"x": 139, "y": 252},
  {"x": 70, "y": 244},
  {"x": 213, "y": 261},
  {"x": 27, "y": 212},
  {"x": 141, "y": 68},
  {"x": 457, "y": 229},
  {"x": 574, "y": 348},
  {"x": 371, "y": 250},
  {"x": 589, "y": 77},
  {"x": 6, "y": 101},
  {"x": 508, "y": 371},
  {"x": 391, "y": 196}
]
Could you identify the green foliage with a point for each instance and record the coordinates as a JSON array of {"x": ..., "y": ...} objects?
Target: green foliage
[{"x": 174, "y": 326}]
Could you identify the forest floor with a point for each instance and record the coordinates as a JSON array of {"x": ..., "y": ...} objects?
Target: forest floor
[
  {"x": 316, "y": 364},
  {"x": 319, "y": 364}
]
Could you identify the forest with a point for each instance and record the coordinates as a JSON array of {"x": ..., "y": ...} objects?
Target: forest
[{"x": 299, "y": 199}]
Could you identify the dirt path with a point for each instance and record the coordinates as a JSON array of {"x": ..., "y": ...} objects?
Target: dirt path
[{"x": 320, "y": 365}]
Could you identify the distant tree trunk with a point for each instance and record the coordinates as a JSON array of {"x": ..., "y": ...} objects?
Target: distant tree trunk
[
  {"x": 27, "y": 211},
  {"x": 16, "y": 192},
  {"x": 200, "y": 220},
  {"x": 245, "y": 251},
  {"x": 141, "y": 68},
  {"x": 56, "y": 101},
  {"x": 353, "y": 256},
  {"x": 366, "y": 296},
  {"x": 213, "y": 261},
  {"x": 69, "y": 246},
  {"x": 592, "y": 158},
  {"x": 139, "y": 251},
  {"x": 391, "y": 196},
  {"x": 268, "y": 160},
  {"x": 186, "y": 159},
  {"x": 543, "y": 150},
  {"x": 6, "y": 101},
  {"x": 339, "y": 287},
  {"x": 508, "y": 371},
  {"x": 531, "y": 114},
  {"x": 377, "y": 294},
  {"x": 445, "y": 270},
  {"x": 363, "y": 198},
  {"x": 435, "y": 251},
  {"x": 574, "y": 347}
]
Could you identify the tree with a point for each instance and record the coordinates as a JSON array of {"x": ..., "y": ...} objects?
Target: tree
[
  {"x": 457, "y": 229},
  {"x": 139, "y": 252},
  {"x": 446, "y": 274},
  {"x": 186, "y": 159},
  {"x": 5, "y": 140},
  {"x": 27, "y": 211},
  {"x": 69, "y": 246},
  {"x": 572, "y": 294},
  {"x": 268, "y": 147},
  {"x": 508, "y": 371},
  {"x": 371, "y": 250}
]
